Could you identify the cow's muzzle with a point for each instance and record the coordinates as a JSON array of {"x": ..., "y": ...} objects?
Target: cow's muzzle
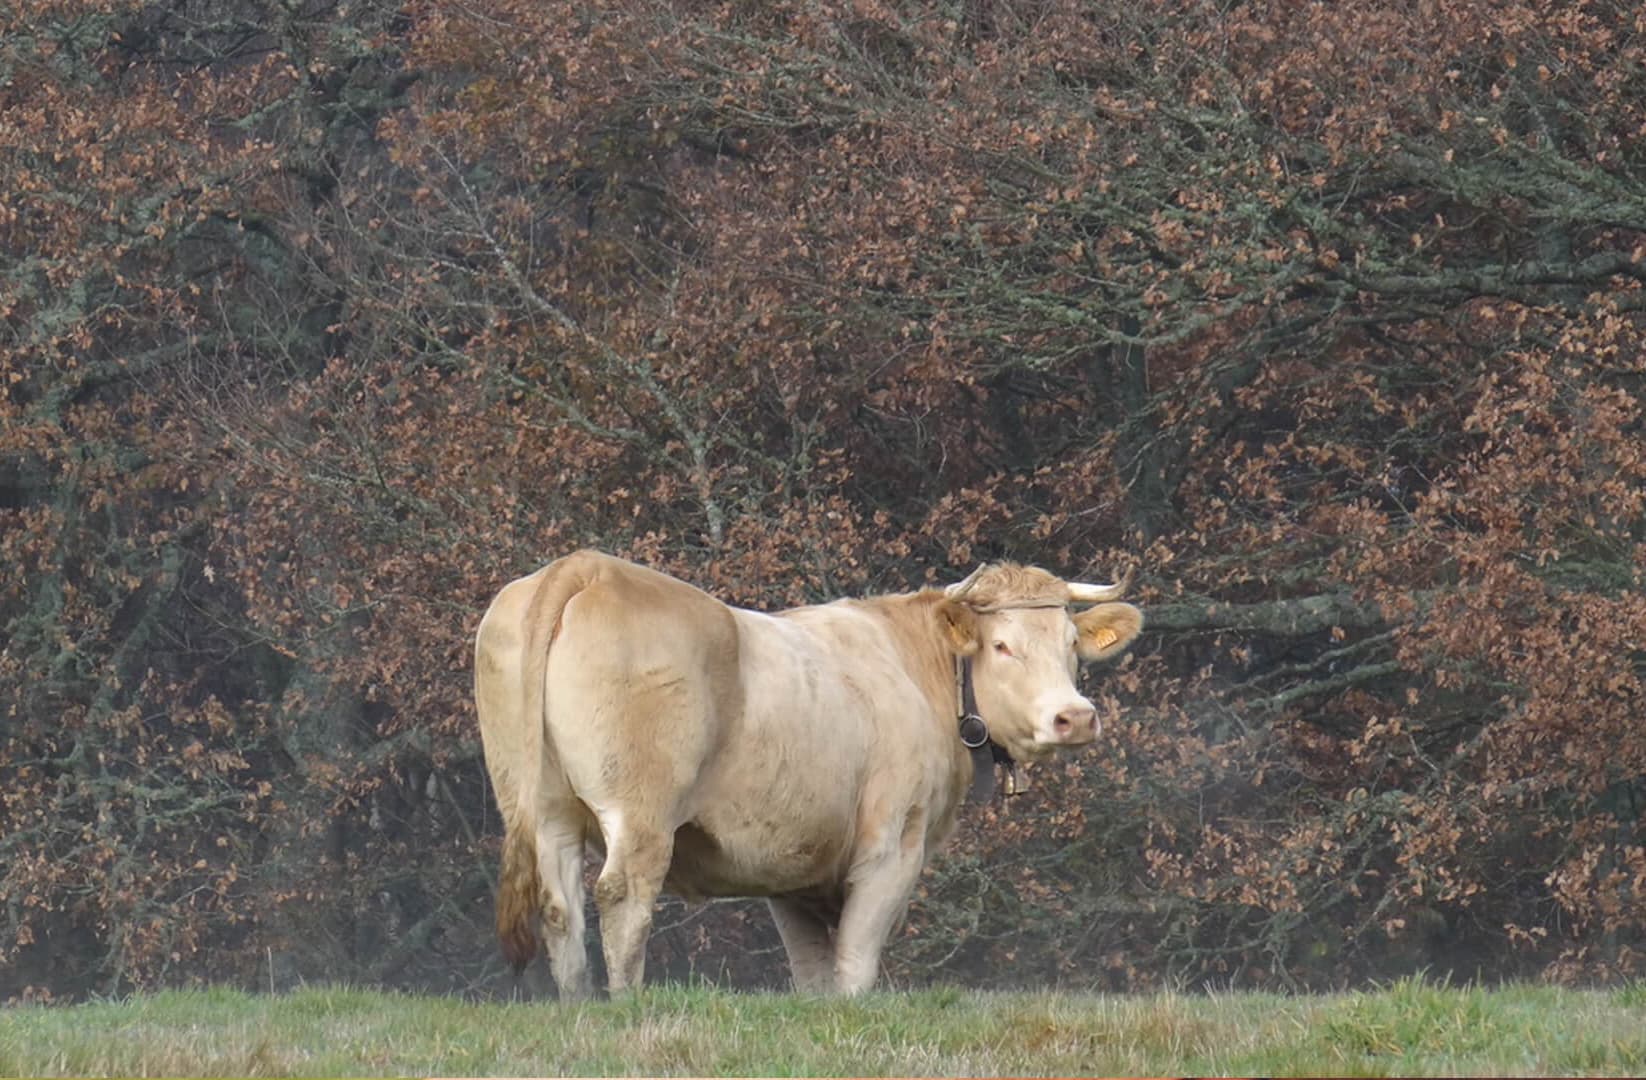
[{"x": 1074, "y": 725}]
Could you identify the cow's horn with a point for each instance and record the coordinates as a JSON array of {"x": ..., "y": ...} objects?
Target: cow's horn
[
  {"x": 961, "y": 588},
  {"x": 1083, "y": 593}
]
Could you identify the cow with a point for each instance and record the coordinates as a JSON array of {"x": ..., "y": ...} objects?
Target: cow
[{"x": 816, "y": 757}]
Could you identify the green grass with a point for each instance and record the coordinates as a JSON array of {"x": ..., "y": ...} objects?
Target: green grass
[{"x": 1411, "y": 1028}]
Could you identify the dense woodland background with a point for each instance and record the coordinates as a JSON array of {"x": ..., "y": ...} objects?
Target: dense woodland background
[{"x": 321, "y": 320}]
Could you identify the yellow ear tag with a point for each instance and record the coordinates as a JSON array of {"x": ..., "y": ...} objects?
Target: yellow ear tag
[{"x": 1104, "y": 636}]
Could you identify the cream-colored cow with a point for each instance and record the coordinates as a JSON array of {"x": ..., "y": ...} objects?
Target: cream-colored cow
[{"x": 810, "y": 757}]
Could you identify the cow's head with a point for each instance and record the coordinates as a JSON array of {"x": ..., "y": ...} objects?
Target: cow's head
[{"x": 1025, "y": 644}]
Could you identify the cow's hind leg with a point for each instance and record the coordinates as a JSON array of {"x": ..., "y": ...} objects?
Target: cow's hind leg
[
  {"x": 808, "y": 938},
  {"x": 637, "y": 860},
  {"x": 560, "y": 868}
]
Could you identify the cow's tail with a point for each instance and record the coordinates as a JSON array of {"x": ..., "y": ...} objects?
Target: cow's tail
[{"x": 520, "y": 886}]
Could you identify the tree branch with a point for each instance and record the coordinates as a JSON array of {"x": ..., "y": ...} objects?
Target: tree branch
[{"x": 1299, "y": 617}]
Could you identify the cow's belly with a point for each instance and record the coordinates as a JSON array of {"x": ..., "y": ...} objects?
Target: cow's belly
[
  {"x": 738, "y": 865},
  {"x": 771, "y": 823}
]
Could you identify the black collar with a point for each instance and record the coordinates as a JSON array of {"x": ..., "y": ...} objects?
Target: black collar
[{"x": 974, "y": 736}]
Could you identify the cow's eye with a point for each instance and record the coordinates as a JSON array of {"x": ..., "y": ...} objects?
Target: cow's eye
[{"x": 1002, "y": 648}]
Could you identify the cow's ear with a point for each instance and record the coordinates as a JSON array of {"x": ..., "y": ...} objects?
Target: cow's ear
[
  {"x": 1106, "y": 630},
  {"x": 959, "y": 624}
]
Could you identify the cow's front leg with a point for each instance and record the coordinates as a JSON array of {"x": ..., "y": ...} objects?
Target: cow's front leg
[
  {"x": 877, "y": 896},
  {"x": 808, "y": 938}
]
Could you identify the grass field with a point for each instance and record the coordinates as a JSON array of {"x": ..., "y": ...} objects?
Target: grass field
[{"x": 1411, "y": 1028}]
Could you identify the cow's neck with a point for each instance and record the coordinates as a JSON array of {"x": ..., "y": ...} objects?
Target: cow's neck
[
  {"x": 912, "y": 621},
  {"x": 973, "y": 731}
]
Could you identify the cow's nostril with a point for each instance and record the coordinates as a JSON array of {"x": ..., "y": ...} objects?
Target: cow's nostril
[{"x": 1069, "y": 722}]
